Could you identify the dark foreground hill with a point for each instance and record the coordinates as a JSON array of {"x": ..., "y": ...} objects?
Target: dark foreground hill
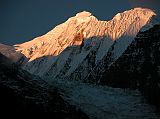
[{"x": 22, "y": 93}]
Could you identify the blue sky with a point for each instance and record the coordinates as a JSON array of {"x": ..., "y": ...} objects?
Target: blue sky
[{"x": 23, "y": 20}]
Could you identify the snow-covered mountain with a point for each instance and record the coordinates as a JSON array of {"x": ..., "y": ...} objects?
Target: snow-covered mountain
[
  {"x": 74, "y": 47},
  {"x": 115, "y": 53}
]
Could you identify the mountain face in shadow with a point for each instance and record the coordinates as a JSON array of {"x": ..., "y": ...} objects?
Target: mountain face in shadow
[
  {"x": 24, "y": 93},
  {"x": 140, "y": 58},
  {"x": 138, "y": 67}
]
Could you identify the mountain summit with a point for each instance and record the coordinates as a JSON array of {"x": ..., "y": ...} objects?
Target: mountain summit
[
  {"x": 82, "y": 39},
  {"x": 64, "y": 35}
]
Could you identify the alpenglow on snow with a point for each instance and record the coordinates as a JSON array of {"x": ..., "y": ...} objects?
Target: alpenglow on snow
[{"x": 73, "y": 48}]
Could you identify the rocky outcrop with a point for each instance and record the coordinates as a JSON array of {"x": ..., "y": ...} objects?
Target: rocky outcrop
[{"x": 11, "y": 53}]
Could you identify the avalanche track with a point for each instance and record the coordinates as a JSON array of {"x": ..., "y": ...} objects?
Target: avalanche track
[{"x": 102, "y": 102}]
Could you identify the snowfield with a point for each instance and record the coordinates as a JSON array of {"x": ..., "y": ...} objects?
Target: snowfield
[{"x": 102, "y": 102}]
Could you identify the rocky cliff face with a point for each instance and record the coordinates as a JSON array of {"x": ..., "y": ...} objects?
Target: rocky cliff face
[
  {"x": 74, "y": 48},
  {"x": 140, "y": 57},
  {"x": 138, "y": 67}
]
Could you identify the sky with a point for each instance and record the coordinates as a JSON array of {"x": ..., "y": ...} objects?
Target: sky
[{"x": 23, "y": 20}]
